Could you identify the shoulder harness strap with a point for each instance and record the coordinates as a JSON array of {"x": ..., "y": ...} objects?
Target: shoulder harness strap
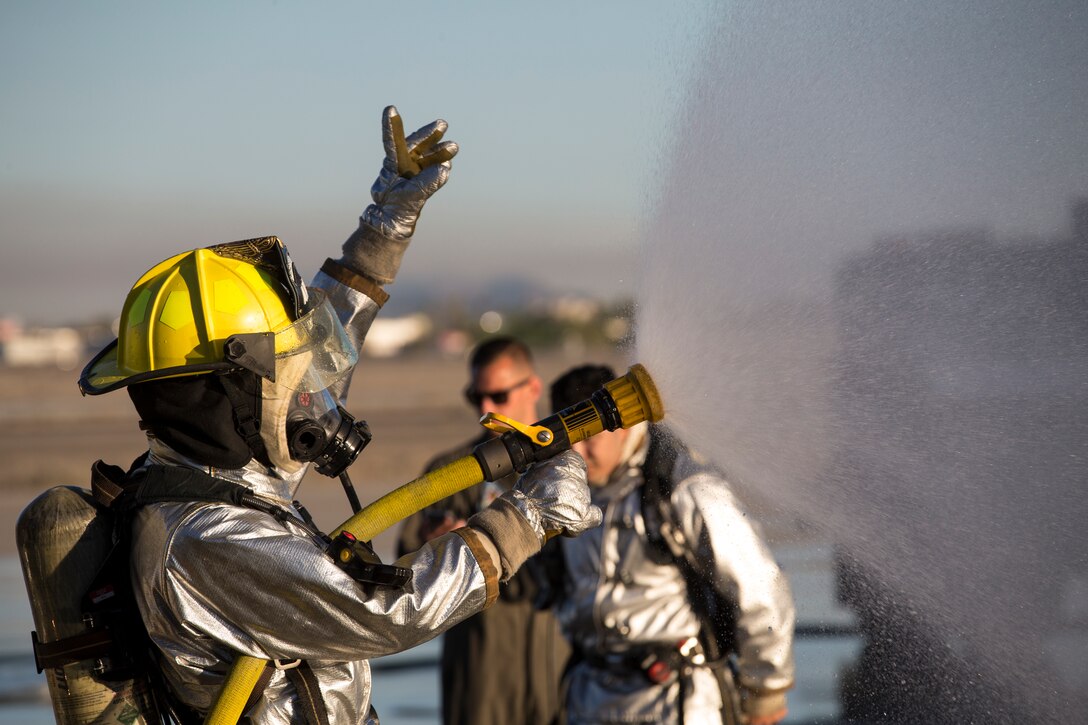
[
  {"x": 125, "y": 492},
  {"x": 657, "y": 497},
  {"x": 668, "y": 540}
]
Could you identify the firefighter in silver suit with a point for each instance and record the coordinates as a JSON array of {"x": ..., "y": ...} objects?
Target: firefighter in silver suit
[
  {"x": 238, "y": 372},
  {"x": 630, "y": 606}
]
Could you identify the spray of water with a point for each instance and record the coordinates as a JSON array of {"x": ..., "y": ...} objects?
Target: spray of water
[{"x": 918, "y": 396}]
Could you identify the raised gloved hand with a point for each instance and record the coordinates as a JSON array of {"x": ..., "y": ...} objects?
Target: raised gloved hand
[
  {"x": 552, "y": 496},
  {"x": 414, "y": 169}
]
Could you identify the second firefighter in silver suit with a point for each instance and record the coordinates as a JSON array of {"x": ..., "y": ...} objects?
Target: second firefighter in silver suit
[{"x": 624, "y": 607}]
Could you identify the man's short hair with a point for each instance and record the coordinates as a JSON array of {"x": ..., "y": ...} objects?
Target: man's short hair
[
  {"x": 579, "y": 383},
  {"x": 491, "y": 350}
]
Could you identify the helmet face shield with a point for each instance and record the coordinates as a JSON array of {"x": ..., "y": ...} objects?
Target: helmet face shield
[
  {"x": 300, "y": 415},
  {"x": 319, "y": 338}
]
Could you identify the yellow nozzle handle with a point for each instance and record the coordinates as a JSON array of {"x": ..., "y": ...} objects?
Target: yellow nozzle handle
[{"x": 538, "y": 434}]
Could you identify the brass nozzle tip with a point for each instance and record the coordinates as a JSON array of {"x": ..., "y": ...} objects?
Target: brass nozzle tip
[
  {"x": 636, "y": 397},
  {"x": 655, "y": 409}
]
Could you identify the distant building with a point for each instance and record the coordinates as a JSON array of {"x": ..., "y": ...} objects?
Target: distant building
[
  {"x": 388, "y": 336},
  {"x": 61, "y": 347}
]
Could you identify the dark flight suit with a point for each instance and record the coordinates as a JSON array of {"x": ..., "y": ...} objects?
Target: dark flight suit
[{"x": 503, "y": 665}]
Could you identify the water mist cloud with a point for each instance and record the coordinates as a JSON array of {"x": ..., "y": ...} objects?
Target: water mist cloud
[{"x": 861, "y": 294}]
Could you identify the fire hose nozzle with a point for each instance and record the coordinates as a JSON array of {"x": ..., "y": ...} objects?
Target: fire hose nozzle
[
  {"x": 636, "y": 397},
  {"x": 621, "y": 403}
]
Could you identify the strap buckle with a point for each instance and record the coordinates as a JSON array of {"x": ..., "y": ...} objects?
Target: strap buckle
[{"x": 283, "y": 665}]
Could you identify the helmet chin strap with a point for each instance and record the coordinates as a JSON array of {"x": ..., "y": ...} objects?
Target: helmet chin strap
[{"x": 243, "y": 389}]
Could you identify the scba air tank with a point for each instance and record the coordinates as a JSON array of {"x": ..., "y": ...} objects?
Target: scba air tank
[{"x": 64, "y": 538}]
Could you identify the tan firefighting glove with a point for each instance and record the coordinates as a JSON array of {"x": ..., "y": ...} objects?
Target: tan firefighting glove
[
  {"x": 551, "y": 497},
  {"x": 414, "y": 168},
  {"x": 765, "y": 709}
]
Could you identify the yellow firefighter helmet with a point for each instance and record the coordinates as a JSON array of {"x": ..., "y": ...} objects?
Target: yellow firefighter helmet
[{"x": 180, "y": 314}]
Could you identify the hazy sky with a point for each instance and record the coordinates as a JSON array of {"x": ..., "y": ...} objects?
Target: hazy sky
[{"x": 132, "y": 130}]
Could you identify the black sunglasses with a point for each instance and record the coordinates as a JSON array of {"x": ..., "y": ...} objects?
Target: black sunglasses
[{"x": 498, "y": 397}]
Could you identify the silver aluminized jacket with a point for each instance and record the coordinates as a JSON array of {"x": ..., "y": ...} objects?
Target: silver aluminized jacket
[
  {"x": 617, "y": 599},
  {"x": 213, "y": 581}
]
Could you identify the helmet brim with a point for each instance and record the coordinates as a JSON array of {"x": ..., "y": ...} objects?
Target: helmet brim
[{"x": 103, "y": 374}]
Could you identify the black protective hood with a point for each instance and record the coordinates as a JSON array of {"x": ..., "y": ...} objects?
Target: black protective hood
[{"x": 195, "y": 417}]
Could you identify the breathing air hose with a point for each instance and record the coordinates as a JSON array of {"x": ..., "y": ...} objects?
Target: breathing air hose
[{"x": 622, "y": 403}]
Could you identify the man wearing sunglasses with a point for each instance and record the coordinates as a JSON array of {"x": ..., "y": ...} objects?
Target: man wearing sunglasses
[{"x": 504, "y": 664}]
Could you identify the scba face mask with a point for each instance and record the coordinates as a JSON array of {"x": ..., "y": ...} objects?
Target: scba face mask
[
  {"x": 301, "y": 421},
  {"x": 300, "y": 427}
]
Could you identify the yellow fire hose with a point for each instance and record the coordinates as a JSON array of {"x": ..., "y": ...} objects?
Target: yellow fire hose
[{"x": 621, "y": 403}]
